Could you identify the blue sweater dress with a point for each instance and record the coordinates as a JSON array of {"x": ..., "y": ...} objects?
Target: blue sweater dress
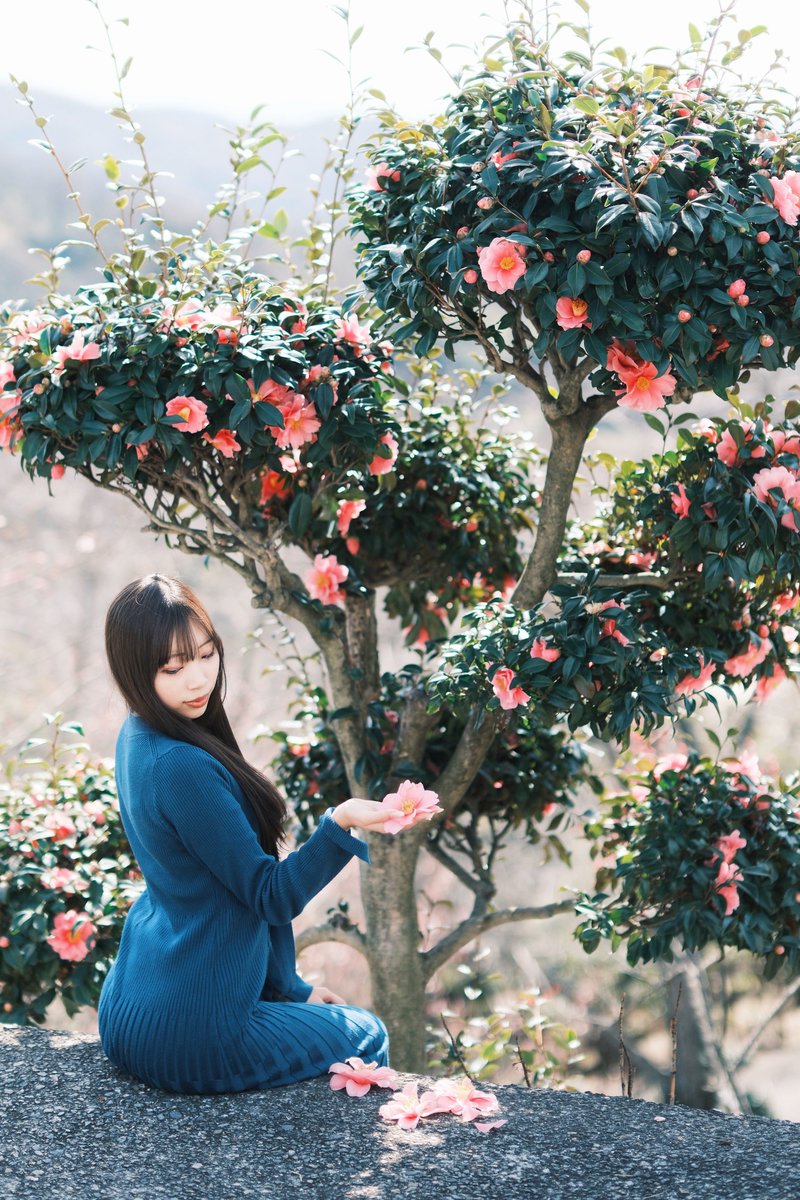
[{"x": 204, "y": 994}]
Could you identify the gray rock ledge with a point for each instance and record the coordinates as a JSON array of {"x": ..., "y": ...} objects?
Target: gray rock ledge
[{"x": 73, "y": 1127}]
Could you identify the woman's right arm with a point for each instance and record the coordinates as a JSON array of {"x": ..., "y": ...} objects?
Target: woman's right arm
[{"x": 193, "y": 794}]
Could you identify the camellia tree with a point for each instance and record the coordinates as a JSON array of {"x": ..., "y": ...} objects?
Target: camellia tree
[{"x": 603, "y": 236}]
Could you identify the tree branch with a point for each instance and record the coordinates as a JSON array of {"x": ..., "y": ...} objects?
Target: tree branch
[
  {"x": 469, "y": 929},
  {"x": 318, "y": 934}
]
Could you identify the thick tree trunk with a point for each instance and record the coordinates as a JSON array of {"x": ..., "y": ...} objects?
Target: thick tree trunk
[
  {"x": 702, "y": 1078},
  {"x": 393, "y": 941}
]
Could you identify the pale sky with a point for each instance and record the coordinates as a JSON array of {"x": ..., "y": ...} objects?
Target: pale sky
[{"x": 226, "y": 57}]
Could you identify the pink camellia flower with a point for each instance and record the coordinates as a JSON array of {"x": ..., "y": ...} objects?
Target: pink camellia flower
[
  {"x": 26, "y": 325},
  {"x": 746, "y": 767},
  {"x": 501, "y": 264},
  {"x": 728, "y": 451},
  {"x": 76, "y": 351},
  {"x": 324, "y": 577},
  {"x": 786, "y": 482},
  {"x": 729, "y": 844},
  {"x": 73, "y": 935},
  {"x": 274, "y": 485},
  {"x": 190, "y": 314},
  {"x": 542, "y": 649},
  {"x": 571, "y": 312},
  {"x": 191, "y": 411},
  {"x": 381, "y": 465},
  {"x": 743, "y": 664},
  {"x": 380, "y": 171},
  {"x": 9, "y": 402},
  {"x": 680, "y": 501},
  {"x": 464, "y": 1100},
  {"x": 347, "y": 511},
  {"x": 347, "y": 329},
  {"x": 782, "y": 443},
  {"x": 224, "y": 441},
  {"x": 61, "y": 879},
  {"x": 6, "y": 373},
  {"x": 645, "y": 390},
  {"x": 695, "y": 683},
  {"x": 412, "y": 803},
  {"x": 642, "y": 558},
  {"x": 271, "y": 391},
  {"x": 728, "y": 877},
  {"x": 619, "y": 359},
  {"x": 768, "y": 683},
  {"x": 609, "y": 629},
  {"x": 785, "y": 601},
  {"x": 60, "y": 825},
  {"x": 300, "y": 424},
  {"x": 670, "y": 762},
  {"x": 407, "y": 1107},
  {"x": 509, "y": 697},
  {"x": 498, "y": 158},
  {"x": 786, "y": 196},
  {"x": 96, "y": 810},
  {"x": 357, "y": 1077}
]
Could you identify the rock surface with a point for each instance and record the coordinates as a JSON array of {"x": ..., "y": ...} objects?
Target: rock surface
[{"x": 73, "y": 1126}]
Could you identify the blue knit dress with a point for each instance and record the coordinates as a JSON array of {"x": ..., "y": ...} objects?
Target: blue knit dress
[{"x": 204, "y": 994}]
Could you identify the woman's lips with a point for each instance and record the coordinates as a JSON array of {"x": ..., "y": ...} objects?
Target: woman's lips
[{"x": 197, "y": 703}]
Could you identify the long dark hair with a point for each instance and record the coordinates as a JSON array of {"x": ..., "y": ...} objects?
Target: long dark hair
[{"x": 147, "y": 621}]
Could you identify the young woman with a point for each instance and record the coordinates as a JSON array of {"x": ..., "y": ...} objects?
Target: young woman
[{"x": 204, "y": 995}]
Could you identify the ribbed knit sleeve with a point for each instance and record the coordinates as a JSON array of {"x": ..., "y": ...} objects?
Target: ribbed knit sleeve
[{"x": 194, "y": 795}]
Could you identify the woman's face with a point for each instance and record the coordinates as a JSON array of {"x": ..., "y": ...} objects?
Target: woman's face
[{"x": 185, "y": 685}]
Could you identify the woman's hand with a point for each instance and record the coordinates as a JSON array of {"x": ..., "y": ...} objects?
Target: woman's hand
[
  {"x": 323, "y": 995},
  {"x": 361, "y": 814}
]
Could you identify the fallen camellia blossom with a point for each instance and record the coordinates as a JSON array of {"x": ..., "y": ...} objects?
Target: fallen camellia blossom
[
  {"x": 408, "y": 1107},
  {"x": 357, "y": 1077},
  {"x": 412, "y": 803},
  {"x": 463, "y": 1099}
]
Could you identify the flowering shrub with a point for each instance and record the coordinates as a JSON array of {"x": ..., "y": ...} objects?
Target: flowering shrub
[
  {"x": 232, "y": 384},
  {"x": 641, "y": 222},
  {"x": 68, "y": 878},
  {"x": 697, "y": 851},
  {"x": 589, "y": 657},
  {"x": 445, "y": 525},
  {"x": 531, "y": 775}
]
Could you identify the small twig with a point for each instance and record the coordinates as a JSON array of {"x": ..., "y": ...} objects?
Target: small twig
[
  {"x": 457, "y": 1052},
  {"x": 673, "y": 1032},
  {"x": 625, "y": 1064},
  {"x": 522, "y": 1063}
]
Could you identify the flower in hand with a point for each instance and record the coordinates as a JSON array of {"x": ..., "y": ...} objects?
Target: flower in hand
[
  {"x": 412, "y": 803},
  {"x": 357, "y": 1077}
]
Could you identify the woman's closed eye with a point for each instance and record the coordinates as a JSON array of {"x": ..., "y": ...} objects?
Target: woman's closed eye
[{"x": 175, "y": 670}]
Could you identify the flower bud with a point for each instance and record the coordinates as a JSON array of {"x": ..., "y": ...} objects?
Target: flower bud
[
  {"x": 485, "y": 202},
  {"x": 743, "y": 301},
  {"x": 692, "y": 194},
  {"x": 583, "y": 256},
  {"x": 766, "y": 340},
  {"x": 737, "y": 288},
  {"x": 762, "y": 237},
  {"x": 672, "y": 251},
  {"x": 684, "y": 315},
  {"x": 549, "y": 256},
  {"x": 462, "y": 231},
  {"x": 470, "y": 276}
]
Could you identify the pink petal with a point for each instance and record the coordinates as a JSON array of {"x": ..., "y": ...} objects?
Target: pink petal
[{"x": 488, "y": 1126}]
